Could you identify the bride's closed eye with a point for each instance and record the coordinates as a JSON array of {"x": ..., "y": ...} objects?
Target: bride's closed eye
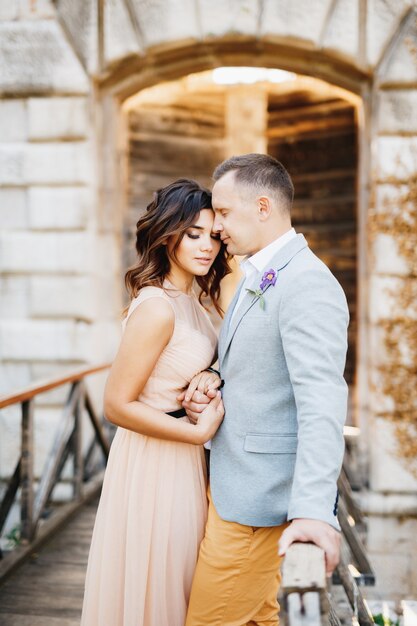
[{"x": 213, "y": 236}]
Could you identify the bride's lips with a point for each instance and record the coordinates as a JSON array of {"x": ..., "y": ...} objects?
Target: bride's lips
[{"x": 204, "y": 260}]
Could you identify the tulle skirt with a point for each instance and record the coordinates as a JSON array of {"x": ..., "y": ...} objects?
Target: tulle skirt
[{"x": 149, "y": 525}]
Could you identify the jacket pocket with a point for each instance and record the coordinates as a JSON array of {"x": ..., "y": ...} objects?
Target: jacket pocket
[{"x": 270, "y": 444}]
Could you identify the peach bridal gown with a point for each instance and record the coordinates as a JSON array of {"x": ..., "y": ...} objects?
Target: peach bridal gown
[{"x": 153, "y": 507}]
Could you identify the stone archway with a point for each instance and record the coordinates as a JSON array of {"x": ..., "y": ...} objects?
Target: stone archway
[{"x": 68, "y": 65}]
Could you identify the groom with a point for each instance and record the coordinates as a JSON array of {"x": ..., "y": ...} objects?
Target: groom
[{"x": 277, "y": 456}]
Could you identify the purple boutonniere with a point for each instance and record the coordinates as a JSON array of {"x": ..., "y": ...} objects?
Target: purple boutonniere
[{"x": 268, "y": 280}]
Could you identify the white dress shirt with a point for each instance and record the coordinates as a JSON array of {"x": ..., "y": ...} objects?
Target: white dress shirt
[{"x": 254, "y": 264}]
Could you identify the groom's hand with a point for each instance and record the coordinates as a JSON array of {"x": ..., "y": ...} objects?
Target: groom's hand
[
  {"x": 313, "y": 531},
  {"x": 201, "y": 390},
  {"x": 197, "y": 403}
]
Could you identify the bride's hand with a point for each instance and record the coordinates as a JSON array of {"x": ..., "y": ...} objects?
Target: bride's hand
[
  {"x": 210, "y": 418},
  {"x": 203, "y": 382}
]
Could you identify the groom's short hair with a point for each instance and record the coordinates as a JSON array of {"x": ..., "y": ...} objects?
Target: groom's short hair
[{"x": 260, "y": 171}]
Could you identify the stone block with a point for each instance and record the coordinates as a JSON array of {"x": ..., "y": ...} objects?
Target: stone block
[
  {"x": 162, "y": 22},
  {"x": 397, "y": 111},
  {"x": 303, "y": 19},
  {"x": 13, "y": 376},
  {"x": 382, "y": 19},
  {"x": 399, "y": 64},
  {"x": 36, "y": 10},
  {"x": 392, "y": 576},
  {"x": 43, "y": 164},
  {"x": 14, "y": 297},
  {"x": 236, "y": 17},
  {"x": 341, "y": 33},
  {"x": 396, "y": 158},
  {"x": 410, "y": 612},
  {"x": 57, "y": 118},
  {"x": 382, "y": 297},
  {"x": 389, "y": 198},
  {"x": 104, "y": 340},
  {"x": 120, "y": 38},
  {"x": 13, "y": 120},
  {"x": 44, "y": 340},
  {"x": 391, "y": 534},
  {"x": 63, "y": 297},
  {"x": 388, "y": 472},
  {"x": 35, "y": 57},
  {"x": 80, "y": 19},
  {"x": 59, "y": 208},
  {"x": 8, "y": 10},
  {"x": 13, "y": 209},
  {"x": 46, "y": 252},
  {"x": 386, "y": 257}
]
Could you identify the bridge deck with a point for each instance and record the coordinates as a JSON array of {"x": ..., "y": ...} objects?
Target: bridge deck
[{"x": 47, "y": 590}]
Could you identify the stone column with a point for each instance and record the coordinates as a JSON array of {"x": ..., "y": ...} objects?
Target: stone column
[{"x": 391, "y": 503}]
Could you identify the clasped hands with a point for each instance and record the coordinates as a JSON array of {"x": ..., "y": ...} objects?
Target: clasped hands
[{"x": 202, "y": 390}]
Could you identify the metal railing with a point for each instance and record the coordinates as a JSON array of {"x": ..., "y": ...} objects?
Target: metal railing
[{"x": 86, "y": 481}]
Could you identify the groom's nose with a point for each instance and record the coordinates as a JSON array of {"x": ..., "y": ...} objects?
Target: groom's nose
[{"x": 217, "y": 226}]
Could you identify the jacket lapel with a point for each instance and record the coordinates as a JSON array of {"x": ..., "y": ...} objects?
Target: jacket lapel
[
  {"x": 278, "y": 262},
  {"x": 226, "y": 322}
]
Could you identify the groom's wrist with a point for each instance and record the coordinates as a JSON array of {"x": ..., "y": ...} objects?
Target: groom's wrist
[{"x": 214, "y": 371}]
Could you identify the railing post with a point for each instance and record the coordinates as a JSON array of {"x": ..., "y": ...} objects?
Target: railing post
[
  {"x": 78, "y": 444},
  {"x": 26, "y": 471}
]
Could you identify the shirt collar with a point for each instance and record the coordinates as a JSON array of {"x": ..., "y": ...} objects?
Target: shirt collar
[{"x": 260, "y": 259}]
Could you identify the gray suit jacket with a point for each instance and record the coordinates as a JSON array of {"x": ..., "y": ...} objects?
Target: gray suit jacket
[{"x": 278, "y": 452}]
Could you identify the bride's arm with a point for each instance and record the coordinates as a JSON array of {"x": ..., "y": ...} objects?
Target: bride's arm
[{"x": 147, "y": 333}]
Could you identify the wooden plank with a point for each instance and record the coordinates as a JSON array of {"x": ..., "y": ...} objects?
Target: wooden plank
[
  {"x": 15, "y": 619},
  {"x": 77, "y": 446},
  {"x": 51, "y": 383},
  {"x": 9, "y": 496},
  {"x": 304, "y": 570},
  {"x": 354, "y": 595},
  {"x": 358, "y": 551},
  {"x": 98, "y": 429},
  {"x": 60, "y": 445},
  {"x": 26, "y": 471},
  {"x": 48, "y": 528},
  {"x": 304, "y": 609}
]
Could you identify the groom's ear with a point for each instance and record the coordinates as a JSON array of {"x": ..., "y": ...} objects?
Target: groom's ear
[{"x": 264, "y": 207}]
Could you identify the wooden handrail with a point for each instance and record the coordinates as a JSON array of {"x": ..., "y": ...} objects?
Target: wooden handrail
[
  {"x": 35, "y": 500},
  {"x": 33, "y": 390}
]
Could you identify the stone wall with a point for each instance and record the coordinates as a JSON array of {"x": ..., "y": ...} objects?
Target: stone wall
[
  {"x": 65, "y": 70},
  {"x": 59, "y": 279}
]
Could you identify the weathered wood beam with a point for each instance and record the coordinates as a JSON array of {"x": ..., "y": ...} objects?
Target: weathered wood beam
[
  {"x": 358, "y": 551},
  {"x": 26, "y": 472},
  {"x": 304, "y": 571},
  {"x": 98, "y": 429},
  {"x": 356, "y": 601},
  {"x": 54, "y": 460},
  {"x": 49, "y": 527},
  {"x": 9, "y": 496},
  {"x": 32, "y": 390}
]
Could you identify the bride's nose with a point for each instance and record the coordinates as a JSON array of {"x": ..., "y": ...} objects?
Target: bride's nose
[{"x": 207, "y": 244}]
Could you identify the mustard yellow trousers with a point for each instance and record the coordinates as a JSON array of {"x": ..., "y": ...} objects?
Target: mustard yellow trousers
[{"x": 237, "y": 576}]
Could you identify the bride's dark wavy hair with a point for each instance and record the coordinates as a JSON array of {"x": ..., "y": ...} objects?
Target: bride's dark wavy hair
[{"x": 174, "y": 208}]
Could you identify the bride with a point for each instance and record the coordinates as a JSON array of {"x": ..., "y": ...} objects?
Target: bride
[{"x": 153, "y": 507}]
